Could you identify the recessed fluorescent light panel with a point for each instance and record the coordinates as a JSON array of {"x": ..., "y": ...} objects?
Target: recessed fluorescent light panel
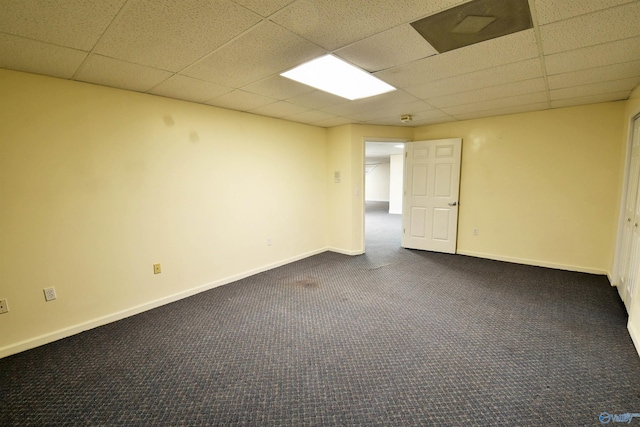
[{"x": 335, "y": 76}]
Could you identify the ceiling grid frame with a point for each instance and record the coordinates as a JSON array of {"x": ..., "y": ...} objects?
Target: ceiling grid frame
[{"x": 431, "y": 86}]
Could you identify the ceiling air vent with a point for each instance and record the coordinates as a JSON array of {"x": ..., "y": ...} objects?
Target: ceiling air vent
[{"x": 474, "y": 22}]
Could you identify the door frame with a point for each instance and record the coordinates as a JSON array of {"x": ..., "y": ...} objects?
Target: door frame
[
  {"x": 364, "y": 178},
  {"x": 623, "y": 202}
]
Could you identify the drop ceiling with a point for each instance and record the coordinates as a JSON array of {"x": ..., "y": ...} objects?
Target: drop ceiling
[
  {"x": 229, "y": 54},
  {"x": 380, "y": 152}
]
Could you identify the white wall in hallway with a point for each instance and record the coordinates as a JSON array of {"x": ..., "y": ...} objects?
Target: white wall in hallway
[
  {"x": 396, "y": 183},
  {"x": 377, "y": 184}
]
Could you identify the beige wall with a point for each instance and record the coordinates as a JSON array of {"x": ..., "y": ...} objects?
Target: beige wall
[
  {"x": 97, "y": 184},
  {"x": 346, "y": 199},
  {"x": 377, "y": 182},
  {"x": 542, "y": 188}
]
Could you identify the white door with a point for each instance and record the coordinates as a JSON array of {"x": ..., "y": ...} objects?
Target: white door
[
  {"x": 630, "y": 254},
  {"x": 431, "y": 186}
]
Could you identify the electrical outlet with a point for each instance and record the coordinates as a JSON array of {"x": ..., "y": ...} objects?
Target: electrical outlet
[
  {"x": 269, "y": 241},
  {"x": 157, "y": 269},
  {"x": 3, "y": 306},
  {"x": 475, "y": 231},
  {"x": 49, "y": 294}
]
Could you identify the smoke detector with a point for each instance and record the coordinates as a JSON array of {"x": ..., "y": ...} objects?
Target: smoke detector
[{"x": 406, "y": 118}]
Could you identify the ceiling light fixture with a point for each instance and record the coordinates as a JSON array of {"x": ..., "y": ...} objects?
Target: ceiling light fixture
[
  {"x": 331, "y": 74},
  {"x": 473, "y": 24},
  {"x": 406, "y": 118}
]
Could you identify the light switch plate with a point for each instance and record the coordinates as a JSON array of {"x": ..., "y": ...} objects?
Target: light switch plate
[{"x": 50, "y": 294}]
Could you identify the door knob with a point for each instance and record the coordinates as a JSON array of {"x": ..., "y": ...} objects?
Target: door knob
[{"x": 453, "y": 204}]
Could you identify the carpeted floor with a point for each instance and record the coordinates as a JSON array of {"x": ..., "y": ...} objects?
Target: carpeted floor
[{"x": 394, "y": 337}]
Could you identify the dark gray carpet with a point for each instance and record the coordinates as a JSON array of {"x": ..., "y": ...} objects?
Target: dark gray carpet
[{"x": 394, "y": 337}]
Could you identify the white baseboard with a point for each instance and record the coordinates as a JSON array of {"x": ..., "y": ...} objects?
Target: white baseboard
[
  {"x": 345, "y": 251},
  {"x": 610, "y": 277},
  {"x": 635, "y": 336},
  {"x": 113, "y": 317},
  {"x": 537, "y": 263}
]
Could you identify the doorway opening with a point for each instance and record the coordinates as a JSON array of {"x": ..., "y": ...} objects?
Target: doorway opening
[{"x": 383, "y": 188}]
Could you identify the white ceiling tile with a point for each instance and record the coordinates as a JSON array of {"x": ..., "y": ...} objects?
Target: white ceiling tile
[
  {"x": 189, "y": 89},
  {"x": 17, "y": 53},
  {"x": 429, "y": 115},
  {"x": 264, "y": 7},
  {"x": 279, "y": 109},
  {"x": 317, "y": 99},
  {"x": 504, "y": 111},
  {"x": 390, "y": 121},
  {"x": 591, "y": 99},
  {"x": 592, "y": 29},
  {"x": 498, "y": 104},
  {"x": 278, "y": 87},
  {"x": 489, "y": 93},
  {"x": 398, "y": 45},
  {"x": 395, "y": 110},
  {"x": 420, "y": 119},
  {"x": 217, "y": 46},
  {"x": 434, "y": 120},
  {"x": 381, "y": 149},
  {"x": 240, "y": 100},
  {"x": 557, "y": 10},
  {"x": 265, "y": 50},
  {"x": 492, "y": 53},
  {"x": 593, "y": 56},
  {"x": 495, "y": 76},
  {"x": 370, "y": 104},
  {"x": 72, "y": 23},
  {"x": 417, "y": 114},
  {"x": 595, "y": 89},
  {"x": 112, "y": 72},
  {"x": 311, "y": 116},
  {"x": 148, "y": 30},
  {"x": 333, "y": 24},
  {"x": 336, "y": 121},
  {"x": 595, "y": 75}
]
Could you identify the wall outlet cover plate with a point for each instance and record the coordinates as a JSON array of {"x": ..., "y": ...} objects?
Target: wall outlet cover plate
[{"x": 49, "y": 294}]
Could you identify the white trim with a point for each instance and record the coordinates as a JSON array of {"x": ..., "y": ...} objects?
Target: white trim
[
  {"x": 366, "y": 139},
  {"x": 623, "y": 197},
  {"x": 537, "y": 263},
  {"x": 113, "y": 317},
  {"x": 345, "y": 251},
  {"x": 635, "y": 336}
]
